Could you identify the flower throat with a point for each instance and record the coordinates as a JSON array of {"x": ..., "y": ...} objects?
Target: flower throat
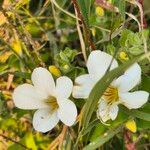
[{"x": 111, "y": 94}]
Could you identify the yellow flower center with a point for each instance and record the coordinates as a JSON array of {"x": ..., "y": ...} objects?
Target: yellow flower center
[
  {"x": 111, "y": 95},
  {"x": 52, "y": 102}
]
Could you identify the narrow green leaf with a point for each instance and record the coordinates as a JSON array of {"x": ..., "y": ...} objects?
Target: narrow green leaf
[
  {"x": 102, "y": 139},
  {"x": 140, "y": 114},
  {"x": 122, "y": 8},
  {"x": 137, "y": 113}
]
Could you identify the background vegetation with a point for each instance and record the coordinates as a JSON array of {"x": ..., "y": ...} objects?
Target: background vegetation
[{"x": 62, "y": 33}]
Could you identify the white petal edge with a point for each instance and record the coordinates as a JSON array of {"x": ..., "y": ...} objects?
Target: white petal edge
[
  {"x": 26, "y": 97},
  {"x": 43, "y": 81},
  {"x": 103, "y": 111},
  {"x": 129, "y": 79},
  {"x": 83, "y": 86},
  {"x": 134, "y": 100},
  {"x": 67, "y": 112},
  {"x": 44, "y": 120},
  {"x": 64, "y": 87},
  {"x": 113, "y": 111},
  {"x": 98, "y": 63}
]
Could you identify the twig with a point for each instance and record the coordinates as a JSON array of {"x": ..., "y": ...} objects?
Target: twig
[
  {"x": 129, "y": 144},
  {"x": 59, "y": 140},
  {"x": 87, "y": 31},
  {"x": 7, "y": 138},
  {"x": 66, "y": 12},
  {"x": 10, "y": 80},
  {"x": 144, "y": 20},
  {"x": 81, "y": 39}
]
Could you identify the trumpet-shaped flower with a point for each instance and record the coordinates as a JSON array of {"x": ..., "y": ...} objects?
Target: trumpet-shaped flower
[
  {"x": 118, "y": 91},
  {"x": 52, "y": 101}
]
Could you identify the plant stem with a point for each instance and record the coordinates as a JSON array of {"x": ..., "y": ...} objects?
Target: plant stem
[{"x": 87, "y": 31}]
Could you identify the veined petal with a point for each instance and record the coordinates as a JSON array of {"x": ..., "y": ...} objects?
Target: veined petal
[
  {"x": 129, "y": 79},
  {"x": 26, "y": 97},
  {"x": 134, "y": 99},
  {"x": 43, "y": 81},
  {"x": 63, "y": 87},
  {"x": 98, "y": 63},
  {"x": 83, "y": 86},
  {"x": 113, "y": 111},
  {"x": 44, "y": 120},
  {"x": 67, "y": 111},
  {"x": 103, "y": 111}
]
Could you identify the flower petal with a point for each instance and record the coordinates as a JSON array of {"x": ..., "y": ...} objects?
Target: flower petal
[
  {"x": 43, "y": 81},
  {"x": 113, "y": 111},
  {"x": 67, "y": 111},
  {"x": 26, "y": 97},
  {"x": 103, "y": 110},
  {"x": 98, "y": 63},
  {"x": 44, "y": 120},
  {"x": 134, "y": 99},
  {"x": 83, "y": 86},
  {"x": 63, "y": 87},
  {"x": 129, "y": 79}
]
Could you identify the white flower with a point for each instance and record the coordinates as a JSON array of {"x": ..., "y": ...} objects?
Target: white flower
[
  {"x": 51, "y": 100},
  {"x": 118, "y": 91}
]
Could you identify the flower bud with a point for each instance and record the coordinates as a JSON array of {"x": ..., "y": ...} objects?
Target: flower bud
[
  {"x": 99, "y": 11},
  {"x": 55, "y": 71},
  {"x": 123, "y": 56},
  {"x": 131, "y": 125}
]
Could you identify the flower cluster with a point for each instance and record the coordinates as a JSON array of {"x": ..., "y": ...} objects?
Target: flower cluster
[{"x": 52, "y": 99}]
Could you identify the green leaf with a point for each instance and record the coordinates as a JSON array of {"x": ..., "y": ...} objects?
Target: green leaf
[
  {"x": 142, "y": 124},
  {"x": 134, "y": 39},
  {"x": 137, "y": 50},
  {"x": 90, "y": 127},
  {"x": 137, "y": 113},
  {"x": 145, "y": 83},
  {"x": 121, "y": 4},
  {"x": 103, "y": 139},
  {"x": 140, "y": 114},
  {"x": 98, "y": 131},
  {"x": 124, "y": 37}
]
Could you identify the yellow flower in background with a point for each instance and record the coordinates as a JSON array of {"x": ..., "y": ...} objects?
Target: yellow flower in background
[
  {"x": 54, "y": 70},
  {"x": 123, "y": 56},
  {"x": 99, "y": 11},
  {"x": 16, "y": 45},
  {"x": 93, "y": 32},
  {"x": 131, "y": 125},
  {"x": 2, "y": 19}
]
